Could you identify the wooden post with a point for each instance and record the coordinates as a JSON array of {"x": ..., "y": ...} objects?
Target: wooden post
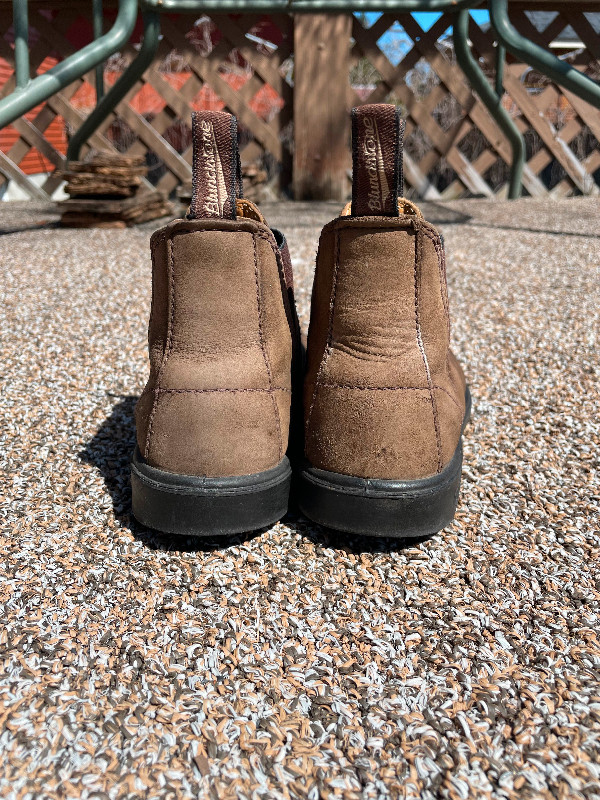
[{"x": 321, "y": 116}]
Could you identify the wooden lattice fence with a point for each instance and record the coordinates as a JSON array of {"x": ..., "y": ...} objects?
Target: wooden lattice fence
[
  {"x": 237, "y": 62},
  {"x": 291, "y": 85},
  {"x": 452, "y": 143}
]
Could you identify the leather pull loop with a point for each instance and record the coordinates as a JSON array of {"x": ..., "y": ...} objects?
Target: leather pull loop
[
  {"x": 377, "y": 142},
  {"x": 216, "y": 168}
]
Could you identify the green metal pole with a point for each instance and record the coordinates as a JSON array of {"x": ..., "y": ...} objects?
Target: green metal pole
[
  {"x": 21, "y": 33},
  {"x": 117, "y": 92},
  {"x": 98, "y": 30},
  {"x": 500, "y": 59},
  {"x": 73, "y": 67},
  {"x": 562, "y": 73},
  {"x": 490, "y": 99}
]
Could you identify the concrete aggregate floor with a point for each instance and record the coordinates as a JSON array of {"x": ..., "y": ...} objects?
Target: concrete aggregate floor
[{"x": 295, "y": 662}]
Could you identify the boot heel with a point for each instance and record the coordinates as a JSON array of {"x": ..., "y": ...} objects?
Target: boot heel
[
  {"x": 373, "y": 507},
  {"x": 190, "y": 505}
]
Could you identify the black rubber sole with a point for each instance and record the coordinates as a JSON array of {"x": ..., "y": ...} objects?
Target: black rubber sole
[
  {"x": 374, "y": 507},
  {"x": 189, "y": 505}
]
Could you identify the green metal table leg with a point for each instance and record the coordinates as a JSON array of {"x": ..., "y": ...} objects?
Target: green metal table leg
[
  {"x": 98, "y": 26},
  {"x": 490, "y": 99},
  {"x": 21, "y": 31},
  {"x": 117, "y": 92},
  {"x": 562, "y": 73},
  {"x": 73, "y": 67},
  {"x": 500, "y": 60}
]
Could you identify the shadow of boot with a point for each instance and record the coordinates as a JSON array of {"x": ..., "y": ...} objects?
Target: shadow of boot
[
  {"x": 354, "y": 543},
  {"x": 110, "y": 451}
]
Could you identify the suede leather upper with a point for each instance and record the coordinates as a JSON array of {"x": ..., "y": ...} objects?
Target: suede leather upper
[
  {"x": 217, "y": 402},
  {"x": 384, "y": 397}
]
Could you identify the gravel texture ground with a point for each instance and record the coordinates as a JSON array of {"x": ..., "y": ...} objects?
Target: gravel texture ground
[{"x": 292, "y": 662}]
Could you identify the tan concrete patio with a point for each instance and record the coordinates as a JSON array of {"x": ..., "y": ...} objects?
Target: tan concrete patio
[{"x": 293, "y": 662}]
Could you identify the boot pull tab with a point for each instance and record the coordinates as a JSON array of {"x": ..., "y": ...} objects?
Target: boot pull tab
[
  {"x": 377, "y": 140},
  {"x": 216, "y": 168}
]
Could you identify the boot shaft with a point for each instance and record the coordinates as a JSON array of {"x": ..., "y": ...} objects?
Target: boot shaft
[
  {"x": 383, "y": 397},
  {"x": 217, "y": 402}
]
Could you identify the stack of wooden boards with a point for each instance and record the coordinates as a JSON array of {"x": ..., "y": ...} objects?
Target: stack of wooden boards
[{"x": 107, "y": 191}]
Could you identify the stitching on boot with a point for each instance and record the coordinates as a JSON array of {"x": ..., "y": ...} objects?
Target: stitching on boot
[
  {"x": 436, "y": 422},
  {"x": 264, "y": 351},
  {"x": 435, "y": 387},
  {"x": 439, "y": 250},
  {"x": 328, "y": 347},
  {"x": 172, "y": 231},
  {"x": 435, "y": 237},
  {"x": 168, "y": 344},
  {"x": 235, "y": 391}
]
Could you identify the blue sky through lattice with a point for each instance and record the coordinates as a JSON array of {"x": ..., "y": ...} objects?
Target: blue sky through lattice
[{"x": 395, "y": 43}]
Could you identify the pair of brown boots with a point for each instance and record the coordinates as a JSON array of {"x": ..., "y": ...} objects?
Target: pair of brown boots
[{"x": 367, "y": 424}]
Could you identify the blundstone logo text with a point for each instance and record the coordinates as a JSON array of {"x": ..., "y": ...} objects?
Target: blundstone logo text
[
  {"x": 215, "y": 189},
  {"x": 373, "y": 160}
]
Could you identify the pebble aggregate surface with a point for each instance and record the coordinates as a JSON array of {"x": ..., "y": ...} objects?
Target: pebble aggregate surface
[{"x": 294, "y": 662}]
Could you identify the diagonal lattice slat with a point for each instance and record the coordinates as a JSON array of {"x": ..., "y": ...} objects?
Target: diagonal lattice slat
[{"x": 453, "y": 146}]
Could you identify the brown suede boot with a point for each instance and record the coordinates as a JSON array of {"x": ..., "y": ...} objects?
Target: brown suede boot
[
  {"x": 213, "y": 420},
  {"x": 385, "y": 400}
]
